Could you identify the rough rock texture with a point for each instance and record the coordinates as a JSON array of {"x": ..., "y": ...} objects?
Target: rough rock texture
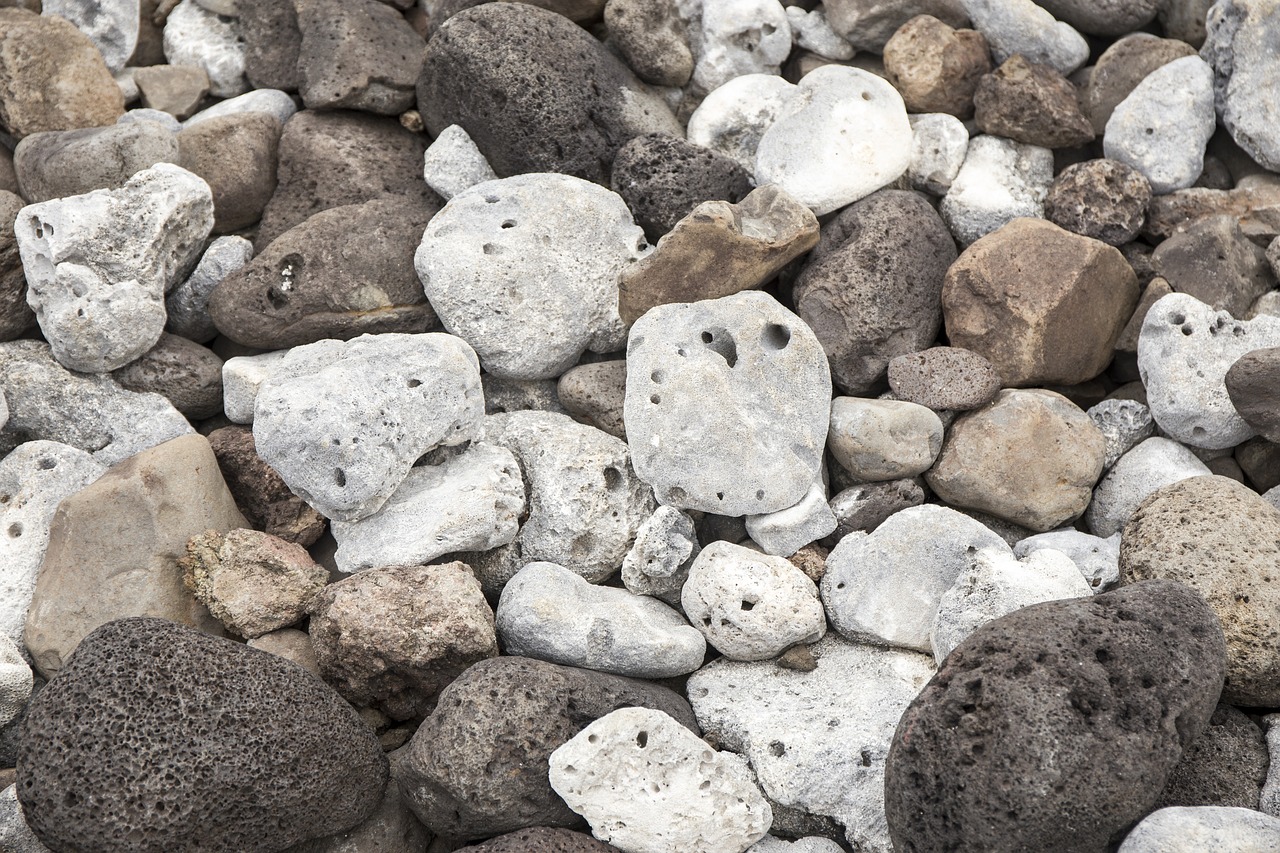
[
  {"x": 594, "y": 394},
  {"x": 1151, "y": 465},
  {"x": 259, "y": 491},
  {"x": 1030, "y": 103},
  {"x": 1121, "y": 67},
  {"x": 1252, "y": 385},
  {"x": 272, "y": 42},
  {"x": 543, "y": 839},
  {"x": 236, "y": 156},
  {"x": 944, "y": 379},
  {"x": 186, "y": 374},
  {"x": 1000, "y": 181},
  {"x": 360, "y": 55},
  {"x": 1097, "y": 559},
  {"x": 653, "y": 40},
  {"x": 193, "y": 35},
  {"x": 1213, "y": 261},
  {"x": 1187, "y": 830},
  {"x": 868, "y": 505},
  {"x": 61, "y": 163},
  {"x": 1238, "y": 46},
  {"x": 869, "y": 24},
  {"x": 939, "y": 145},
  {"x": 16, "y": 315},
  {"x": 393, "y": 828},
  {"x": 1225, "y": 766},
  {"x": 1103, "y": 199},
  {"x": 16, "y": 681},
  {"x": 936, "y": 67}
]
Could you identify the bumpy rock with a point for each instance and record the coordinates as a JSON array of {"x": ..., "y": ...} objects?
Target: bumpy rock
[
  {"x": 1030, "y": 103},
  {"x": 1000, "y": 181},
  {"x": 658, "y": 562},
  {"x": 734, "y": 117},
  {"x": 733, "y": 39},
  {"x": 16, "y": 315},
  {"x": 259, "y": 491},
  {"x": 1251, "y": 384},
  {"x": 57, "y": 164},
  {"x": 360, "y": 55},
  {"x": 1184, "y": 830},
  {"x": 1255, "y": 204},
  {"x": 113, "y": 27},
  {"x": 653, "y": 38},
  {"x": 883, "y": 439},
  {"x": 866, "y": 506},
  {"x": 1021, "y": 26},
  {"x": 1097, "y": 559},
  {"x": 1124, "y": 424},
  {"x": 869, "y": 24},
  {"x": 195, "y": 36},
  {"x": 1213, "y": 261},
  {"x": 1225, "y": 766},
  {"x": 1121, "y": 67},
  {"x": 267, "y": 730},
  {"x": 1239, "y": 35},
  {"x": 272, "y": 42},
  {"x": 594, "y": 394},
  {"x": 187, "y": 305},
  {"x": 1098, "y": 681},
  {"x": 541, "y": 838},
  {"x": 1103, "y": 199},
  {"x": 1110, "y": 18},
  {"x": 785, "y": 531},
  {"x": 936, "y": 67},
  {"x": 944, "y": 379},
  {"x": 236, "y": 156},
  {"x": 452, "y": 163},
  {"x": 392, "y": 828},
  {"x": 15, "y": 681},
  {"x": 15, "y": 834},
  {"x": 939, "y": 144},
  {"x": 812, "y": 31},
  {"x": 185, "y": 373}
]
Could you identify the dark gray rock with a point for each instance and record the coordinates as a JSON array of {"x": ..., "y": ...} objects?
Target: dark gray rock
[
  {"x": 272, "y": 42},
  {"x": 1031, "y": 103},
  {"x": 1225, "y": 766},
  {"x": 1253, "y": 384},
  {"x": 652, "y": 38},
  {"x": 61, "y": 163},
  {"x": 358, "y": 55},
  {"x": 1213, "y": 261},
  {"x": 865, "y": 506},
  {"x": 944, "y": 379},
  {"x": 542, "y": 839},
  {"x": 188, "y": 374},
  {"x": 236, "y": 155},
  {"x": 16, "y": 315},
  {"x": 1103, "y": 199}
]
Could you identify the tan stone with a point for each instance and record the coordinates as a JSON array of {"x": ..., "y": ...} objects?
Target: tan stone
[
  {"x": 935, "y": 67},
  {"x": 1255, "y": 203},
  {"x": 174, "y": 89},
  {"x": 290, "y": 644},
  {"x": 114, "y": 548},
  {"x": 718, "y": 250},
  {"x": 1043, "y": 305},
  {"x": 594, "y": 393},
  {"x": 1128, "y": 340}
]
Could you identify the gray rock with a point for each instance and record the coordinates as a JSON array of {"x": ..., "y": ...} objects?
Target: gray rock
[
  {"x": 1251, "y": 384},
  {"x": 595, "y": 393},
  {"x": 1121, "y": 67},
  {"x": 112, "y": 26},
  {"x": 1212, "y": 260},
  {"x": 1021, "y": 26},
  {"x": 185, "y": 373},
  {"x": 520, "y": 395},
  {"x": 868, "y": 24},
  {"x": 944, "y": 379},
  {"x": 1152, "y": 465},
  {"x": 270, "y": 101},
  {"x": 15, "y": 835},
  {"x": 1106, "y": 18},
  {"x": 62, "y": 163},
  {"x": 866, "y": 506},
  {"x": 878, "y": 440},
  {"x": 1000, "y": 181},
  {"x": 453, "y": 163},
  {"x": 658, "y": 562},
  {"x": 144, "y": 115},
  {"x": 187, "y": 305},
  {"x": 1124, "y": 424},
  {"x": 939, "y": 143},
  {"x": 653, "y": 38},
  {"x": 195, "y": 36},
  {"x": 809, "y": 844},
  {"x": 1097, "y": 559},
  {"x": 1240, "y": 34},
  {"x": 393, "y": 828},
  {"x": 733, "y": 39},
  {"x": 1190, "y": 829},
  {"x": 16, "y": 680},
  {"x": 786, "y": 531},
  {"x": 1269, "y": 800},
  {"x": 242, "y": 379},
  {"x": 357, "y": 54}
]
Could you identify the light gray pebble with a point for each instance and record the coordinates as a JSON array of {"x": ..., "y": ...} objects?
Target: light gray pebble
[
  {"x": 271, "y": 101},
  {"x": 1153, "y": 464},
  {"x": 658, "y": 562},
  {"x": 734, "y": 39},
  {"x": 999, "y": 181},
  {"x": 453, "y": 163},
  {"x": 195, "y": 36},
  {"x": 733, "y": 118},
  {"x": 1020, "y": 26},
  {"x": 1240, "y": 45},
  {"x": 144, "y": 114},
  {"x": 62, "y": 163},
  {"x": 15, "y": 835},
  {"x": 1098, "y": 559},
  {"x": 1269, "y": 800},
  {"x": 810, "y": 844},
  {"x": 1193, "y": 829},
  {"x": 811, "y": 30},
  {"x": 1123, "y": 423},
  {"x": 112, "y": 25},
  {"x": 242, "y": 378},
  {"x": 16, "y": 680},
  {"x": 878, "y": 440},
  {"x": 786, "y": 531},
  {"x": 187, "y": 305},
  {"x": 939, "y": 143}
]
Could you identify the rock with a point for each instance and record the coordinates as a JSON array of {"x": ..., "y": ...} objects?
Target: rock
[
  {"x": 360, "y": 55},
  {"x": 939, "y": 143},
  {"x": 1121, "y": 67},
  {"x": 453, "y": 163},
  {"x": 594, "y": 393},
  {"x": 653, "y": 38},
  {"x": 1073, "y": 301},
  {"x": 187, "y": 305},
  {"x": 393, "y": 828},
  {"x": 242, "y": 380},
  {"x": 1183, "y": 830},
  {"x": 658, "y": 562},
  {"x": 1127, "y": 343},
  {"x": 478, "y": 766},
  {"x": 1259, "y": 461},
  {"x": 870, "y": 24},
  {"x": 1124, "y": 424},
  {"x": 15, "y": 834},
  {"x": 1236, "y": 45},
  {"x": 541, "y": 838},
  {"x": 174, "y": 89},
  {"x": 1022, "y": 27},
  {"x": 1225, "y": 766},
  {"x": 1214, "y": 262},
  {"x": 97, "y": 286},
  {"x": 61, "y": 163},
  {"x": 236, "y": 156},
  {"x": 518, "y": 395},
  {"x": 1064, "y": 676},
  {"x": 1097, "y": 559},
  {"x": 814, "y": 744},
  {"x": 751, "y": 606},
  {"x": 395, "y": 637},
  {"x": 1162, "y": 127},
  {"x": 1184, "y": 352},
  {"x": 259, "y": 491},
  {"x": 733, "y": 118},
  {"x": 828, "y": 158},
  {"x": 883, "y": 439},
  {"x": 936, "y": 67},
  {"x": 995, "y": 583},
  {"x": 944, "y": 378},
  {"x": 573, "y": 120},
  {"x": 1031, "y": 457},
  {"x": 727, "y": 404},
  {"x": 1251, "y": 385},
  {"x": 343, "y": 422},
  {"x": 530, "y": 278},
  {"x": 15, "y": 315},
  {"x": 871, "y": 288},
  {"x": 62, "y": 85},
  {"x": 15, "y": 681},
  {"x": 270, "y": 101},
  {"x": 1030, "y": 103},
  {"x": 733, "y": 39},
  {"x": 1000, "y": 181},
  {"x": 550, "y": 613},
  {"x": 1255, "y": 204},
  {"x": 1225, "y": 551},
  {"x": 1103, "y": 199},
  {"x": 252, "y": 582},
  {"x": 266, "y": 730},
  {"x": 188, "y": 375},
  {"x": 195, "y": 36},
  {"x": 784, "y": 532},
  {"x": 684, "y": 796},
  {"x": 811, "y": 844},
  {"x": 866, "y": 506},
  {"x": 272, "y": 43},
  {"x": 345, "y": 272},
  {"x": 290, "y": 644},
  {"x": 1104, "y": 19},
  {"x": 717, "y": 250},
  {"x": 812, "y": 31},
  {"x": 112, "y": 27}
]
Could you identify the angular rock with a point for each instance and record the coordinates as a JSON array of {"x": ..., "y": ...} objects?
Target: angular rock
[
  {"x": 936, "y": 67},
  {"x": 658, "y": 562},
  {"x": 1187, "y": 829},
  {"x": 653, "y": 38},
  {"x": 259, "y": 491},
  {"x": 939, "y": 143},
  {"x": 1030, "y": 103},
  {"x": 195, "y": 36},
  {"x": 187, "y": 305},
  {"x": 270, "y": 101},
  {"x": 1121, "y": 67},
  {"x": 883, "y": 439},
  {"x": 733, "y": 39},
  {"x": 1255, "y": 204},
  {"x": 174, "y": 89},
  {"x": 1251, "y": 385},
  {"x": 869, "y": 24},
  {"x": 1000, "y": 181},
  {"x": 1237, "y": 45},
  {"x": 292, "y": 645},
  {"x": 1103, "y": 199},
  {"x": 812, "y": 31},
  {"x": 452, "y": 163},
  {"x": 359, "y": 55},
  {"x": 57, "y": 164},
  {"x": 1097, "y": 559},
  {"x": 186, "y": 374},
  {"x": 236, "y": 156},
  {"x": 1213, "y": 261},
  {"x": 944, "y": 379},
  {"x": 1021, "y": 26},
  {"x": 594, "y": 394},
  {"x": 15, "y": 681},
  {"x": 866, "y": 506},
  {"x": 272, "y": 43},
  {"x": 786, "y": 531},
  {"x": 1124, "y": 424},
  {"x": 1225, "y": 766}
]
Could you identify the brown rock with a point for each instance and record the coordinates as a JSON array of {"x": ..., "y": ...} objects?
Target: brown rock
[
  {"x": 290, "y": 644},
  {"x": 1120, "y": 69},
  {"x": 150, "y": 49},
  {"x": 272, "y": 42},
  {"x": 114, "y": 548},
  {"x": 15, "y": 315},
  {"x": 1225, "y": 766},
  {"x": 944, "y": 379},
  {"x": 357, "y": 54},
  {"x": 1030, "y": 103},
  {"x": 52, "y": 77},
  {"x": 1103, "y": 199},
  {"x": 869, "y": 24},
  {"x": 1128, "y": 340},
  {"x": 260, "y": 492},
  {"x": 189, "y": 375},
  {"x": 62, "y": 163},
  {"x": 1259, "y": 462},
  {"x": 593, "y": 394},
  {"x": 1041, "y": 304},
  {"x": 1255, "y": 203},
  {"x": 935, "y": 67},
  {"x": 812, "y": 560},
  {"x": 174, "y": 89},
  {"x": 8, "y": 175},
  {"x": 236, "y": 155},
  {"x": 1213, "y": 261},
  {"x": 718, "y": 250},
  {"x": 1253, "y": 384}
]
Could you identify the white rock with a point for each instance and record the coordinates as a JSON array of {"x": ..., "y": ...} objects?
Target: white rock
[
  {"x": 221, "y": 7},
  {"x": 1000, "y": 181},
  {"x": 727, "y": 404},
  {"x": 15, "y": 680},
  {"x": 786, "y": 531},
  {"x": 15, "y": 835},
  {"x": 1240, "y": 45},
  {"x": 344, "y": 421},
  {"x": 732, "y": 119},
  {"x": 154, "y": 116},
  {"x": 195, "y": 36},
  {"x": 1097, "y": 559},
  {"x": 811, "y": 844},
  {"x": 4, "y": 410},
  {"x": 737, "y": 37},
  {"x": 112, "y": 25},
  {"x": 242, "y": 378},
  {"x": 550, "y": 613},
  {"x": 811, "y": 31},
  {"x": 271, "y": 101},
  {"x": 1185, "y": 349},
  {"x": 128, "y": 86},
  {"x": 1123, "y": 423},
  {"x": 1153, "y": 464},
  {"x": 816, "y": 740},
  {"x": 751, "y": 606},
  {"x": 1162, "y": 127},
  {"x": 471, "y": 502},
  {"x": 939, "y": 143},
  {"x": 34, "y": 479},
  {"x": 680, "y": 793},
  {"x": 1269, "y": 799},
  {"x": 995, "y": 583},
  {"x": 98, "y": 265},
  {"x": 188, "y": 304},
  {"x": 525, "y": 269},
  {"x": 884, "y": 587},
  {"x": 1198, "y": 829},
  {"x": 877, "y": 440},
  {"x": 1020, "y": 26},
  {"x": 843, "y": 135},
  {"x": 453, "y": 163},
  {"x": 658, "y": 562}
]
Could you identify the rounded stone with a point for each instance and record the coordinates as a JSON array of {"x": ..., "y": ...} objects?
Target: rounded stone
[
  {"x": 1151, "y": 465},
  {"x": 652, "y": 38},
  {"x": 936, "y": 67},
  {"x": 57, "y": 164},
  {"x": 543, "y": 839},
  {"x": 883, "y": 439},
  {"x": 1189, "y": 830},
  {"x": 1121, "y": 67},
  {"x": 944, "y": 379},
  {"x": 1225, "y": 766},
  {"x": 236, "y": 156},
  {"x": 1104, "y": 17},
  {"x": 1103, "y": 199},
  {"x": 1252, "y": 385},
  {"x": 185, "y": 373}
]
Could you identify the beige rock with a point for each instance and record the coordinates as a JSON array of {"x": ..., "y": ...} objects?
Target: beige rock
[
  {"x": 290, "y": 644},
  {"x": 1043, "y": 305},
  {"x": 1128, "y": 340},
  {"x": 174, "y": 89},
  {"x": 1032, "y": 457},
  {"x": 718, "y": 250},
  {"x": 593, "y": 394},
  {"x": 936, "y": 67},
  {"x": 114, "y": 548},
  {"x": 1119, "y": 70},
  {"x": 877, "y": 440},
  {"x": 1255, "y": 203}
]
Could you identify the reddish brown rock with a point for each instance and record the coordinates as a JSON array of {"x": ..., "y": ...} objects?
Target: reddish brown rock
[
  {"x": 260, "y": 492},
  {"x": 936, "y": 67},
  {"x": 1030, "y": 103},
  {"x": 1103, "y": 199}
]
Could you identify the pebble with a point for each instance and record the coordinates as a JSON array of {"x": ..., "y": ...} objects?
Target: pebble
[
  {"x": 1103, "y": 199},
  {"x": 812, "y": 31},
  {"x": 395, "y": 637},
  {"x": 1254, "y": 204},
  {"x": 236, "y": 156},
  {"x": 1112, "y": 18},
  {"x": 1031, "y": 103},
  {"x": 658, "y": 562},
  {"x": 869, "y": 24},
  {"x": 186, "y": 374},
  {"x": 270, "y": 101},
  {"x": 112, "y": 27},
  {"x": 16, "y": 681},
  {"x": 138, "y": 114},
  {"x": 1239, "y": 33},
  {"x": 944, "y": 379},
  {"x": 1162, "y": 127},
  {"x": 1124, "y": 424},
  {"x": 61, "y": 163},
  {"x": 653, "y": 39},
  {"x": 1213, "y": 261},
  {"x": 866, "y": 506},
  {"x": 935, "y": 66},
  {"x": 1098, "y": 559},
  {"x": 939, "y": 143},
  {"x": 174, "y": 89},
  {"x": 786, "y": 531},
  {"x": 732, "y": 39},
  {"x": 1225, "y": 766},
  {"x": 259, "y": 491},
  {"x": 727, "y": 404},
  {"x": 1121, "y": 67},
  {"x": 1000, "y": 181},
  {"x": 883, "y": 439},
  {"x": 1022, "y": 27},
  {"x": 266, "y": 729},
  {"x": 187, "y": 305},
  {"x": 593, "y": 394},
  {"x": 242, "y": 380},
  {"x": 1190, "y": 829},
  {"x": 1062, "y": 676},
  {"x": 360, "y": 55},
  {"x": 732, "y": 119},
  {"x": 15, "y": 834},
  {"x": 1251, "y": 386},
  {"x": 195, "y": 36},
  {"x": 453, "y": 163}
]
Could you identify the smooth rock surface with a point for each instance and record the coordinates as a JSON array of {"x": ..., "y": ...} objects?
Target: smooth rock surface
[
  {"x": 1021, "y": 26},
  {"x": 1214, "y": 261},
  {"x": 1151, "y": 465},
  {"x": 236, "y": 155},
  {"x": 786, "y": 531},
  {"x": 594, "y": 394},
  {"x": 57, "y": 164},
  {"x": 939, "y": 144},
  {"x": 1187, "y": 829},
  {"x": 15, "y": 681},
  {"x": 453, "y": 163},
  {"x": 1251, "y": 385},
  {"x": 187, "y": 305},
  {"x": 733, "y": 118},
  {"x": 1097, "y": 559},
  {"x": 883, "y": 439},
  {"x": 1121, "y": 67}
]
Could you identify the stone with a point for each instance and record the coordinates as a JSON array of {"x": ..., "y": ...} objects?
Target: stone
[
  {"x": 112, "y": 27},
  {"x": 1162, "y": 127},
  {"x": 1225, "y": 766},
  {"x": 478, "y": 765},
  {"x": 1097, "y": 559},
  {"x": 733, "y": 39},
  {"x": 883, "y": 439},
  {"x": 1187, "y": 829},
  {"x": 541, "y": 838},
  {"x": 174, "y": 89},
  {"x": 242, "y": 380},
  {"x": 16, "y": 315},
  {"x": 870, "y": 24},
  {"x": 99, "y": 265},
  {"x": 939, "y": 143},
  {"x": 1224, "y": 551},
  {"x": 684, "y": 795},
  {"x": 360, "y": 55},
  {"x": 1255, "y": 204},
  {"x": 751, "y": 606},
  {"x": 395, "y": 637},
  {"x": 810, "y": 844},
  {"x": 195, "y": 36},
  {"x": 236, "y": 156},
  {"x": 292, "y": 645},
  {"x": 733, "y": 118},
  {"x": 550, "y": 613},
  {"x": 1236, "y": 46},
  {"x": 871, "y": 289},
  {"x": 936, "y": 67},
  {"x": 727, "y": 404},
  {"x": 518, "y": 395},
  {"x": 1251, "y": 385},
  {"x": 659, "y": 560},
  {"x": 1124, "y": 424},
  {"x": 1023, "y": 27},
  {"x": 272, "y": 44},
  {"x": 717, "y": 250},
  {"x": 267, "y": 730},
  {"x": 1213, "y": 261},
  {"x": 530, "y": 278},
  {"x": 252, "y": 582},
  {"x": 1121, "y": 67},
  {"x": 393, "y": 828},
  {"x": 1103, "y": 199},
  {"x": 270, "y": 101},
  {"x": 1185, "y": 349},
  {"x": 1104, "y": 19},
  {"x": 594, "y": 393},
  {"x": 187, "y": 305},
  {"x": 815, "y": 744},
  {"x": 343, "y": 422},
  {"x": 1259, "y": 461},
  {"x": 186, "y": 374},
  {"x": 62, "y": 85},
  {"x": 1030, "y": 103},
  {"x": 786, "y": 531},
  {"x": 1031, "y": 457},
  {"x": 259, "y": 491},
  {"x": 471, "y": 502},
  {"x": 812, "y": 31},
  {"x": 453, "y": 163},
  {"x": 345, "y": 272},
  {"x": 653, "y": 38},
  {"x": 944, "y": 379},
  {"x": 16, "y": 680},
  {"x": 15, "y": 834},
  {"x": 1001, "y": 180},
  {"x": 827, "y": 158},
  {"x": 866, "y": 506},
  {"x": 535, "y": 92},
  {"x": 61, "y": 163}
]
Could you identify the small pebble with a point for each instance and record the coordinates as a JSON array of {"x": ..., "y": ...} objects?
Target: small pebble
[
  {"x": 1098, "y": 559},
  {"x": 1000, "y": 181},
  {"x": 195, "y": 36},
  {"x": 883, "y": 439},
  {"x": 936, "y": 67},
  {"x": 939, "y": 143},
  {"x": 453, "y": 163},
  {"x": 1124, "y": 424}
]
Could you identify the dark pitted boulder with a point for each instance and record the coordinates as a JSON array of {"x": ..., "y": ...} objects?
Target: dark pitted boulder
[
  {"x": 1225, "y": 766},
  {"x": 543, "y": 840},
  {"x": 158, "y": 738}
]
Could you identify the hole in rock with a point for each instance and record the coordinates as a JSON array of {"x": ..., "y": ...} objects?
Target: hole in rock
[
  {"x": 612, "y": 478},
  {"x": 1177, "y": 319},
  {"x": 839, "y": 586},
  {"x": 491, "y": 199},
  {"x": 866, "y": 96},
  {"x": 1187, "y": 330},
  {"x": 719, "y": 496},
  {"x": 1150, "y": 130},
  {"x": 658, "y": 376},
  {"x": 777, "y": 748},
  {"x": 509, "y": 223},
  {"x": 707, "y": 337},
  {"x": 642, "y": 739},
  {"x": 15, "y": 530},
  {"x": 704, "y": 785},
  {"x": 759, "y": 494},
  {"x": 1102, "y": 655},
  {"x": 339, "y": 476},
  {"x": 48, "y": 464},
  {"x": 414, "y": 383},
  {"x": 655, "y": 399},
  {"x": 865, "y": 758},
  {"x": 722, "y": 344},
  {"x": 776, "y": 337},
  {"x": 747, "y": 605},
  {"x": 769, "y": 29},
  {"x": 593, "y": 738},
  {"x": 491, "y": 249}
]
